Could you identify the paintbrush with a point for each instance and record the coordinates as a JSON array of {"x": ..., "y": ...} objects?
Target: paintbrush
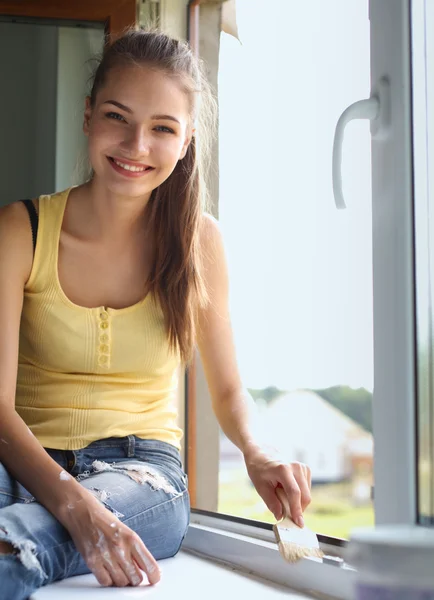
[{"x": 294, "y": 542}]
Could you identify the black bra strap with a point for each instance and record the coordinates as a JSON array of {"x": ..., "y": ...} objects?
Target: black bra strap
[{"x": 33, "y": 215}]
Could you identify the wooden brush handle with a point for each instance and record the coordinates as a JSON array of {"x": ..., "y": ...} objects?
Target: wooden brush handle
[{"x": 281, "y": 494}]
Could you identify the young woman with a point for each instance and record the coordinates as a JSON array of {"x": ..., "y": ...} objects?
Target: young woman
[{"x": 122, "y": 277}]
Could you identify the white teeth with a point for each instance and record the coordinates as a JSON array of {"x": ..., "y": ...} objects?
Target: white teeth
[{"x": 130, "y": 167}]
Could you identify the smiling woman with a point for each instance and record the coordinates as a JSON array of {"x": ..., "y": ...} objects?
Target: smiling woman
[
  {"x": 100, "y": 311},
  {"x": 128, "y": 275},
  {"x": 137, "y": 137}
]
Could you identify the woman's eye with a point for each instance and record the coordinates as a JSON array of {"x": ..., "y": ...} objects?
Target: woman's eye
[
  {"x": 164, "y": 129},
  {"x": 115, "y": 115}
]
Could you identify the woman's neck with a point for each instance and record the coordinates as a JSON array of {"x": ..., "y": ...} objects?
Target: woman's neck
[{"x": 103, "y": 214}]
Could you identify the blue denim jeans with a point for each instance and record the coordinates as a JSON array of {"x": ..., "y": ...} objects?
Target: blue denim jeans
[{"x": 141, "y": 481}]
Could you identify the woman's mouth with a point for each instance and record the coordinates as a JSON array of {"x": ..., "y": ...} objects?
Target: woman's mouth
[{"x": 129, "y": 169}]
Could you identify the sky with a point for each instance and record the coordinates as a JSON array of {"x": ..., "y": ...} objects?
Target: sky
[{"x": 300, "y": 269}]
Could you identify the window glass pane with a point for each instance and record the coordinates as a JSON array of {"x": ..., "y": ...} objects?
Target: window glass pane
[
  {"x": 423, "y": 141},
  {"x": 300, "y": 270}
]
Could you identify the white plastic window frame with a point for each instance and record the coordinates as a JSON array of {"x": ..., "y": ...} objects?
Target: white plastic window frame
[
  {"x": 251, "y": 547},
  {"x": 423, "y": 51}
]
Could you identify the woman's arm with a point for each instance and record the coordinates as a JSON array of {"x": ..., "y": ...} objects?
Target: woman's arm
[
  {"x": 20, "y": 451},
  {"x": 112, "y": 551},
  {"x": 232, "y": 405}
]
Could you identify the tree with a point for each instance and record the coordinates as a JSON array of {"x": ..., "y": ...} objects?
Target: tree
[
  {"x": 267, "y": 394},
  {"x": 355, "y": 403}
]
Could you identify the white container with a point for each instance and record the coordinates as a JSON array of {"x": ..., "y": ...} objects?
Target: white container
[{"x": 393, "y": 562}]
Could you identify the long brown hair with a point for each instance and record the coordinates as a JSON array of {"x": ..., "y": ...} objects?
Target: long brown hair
[{"x": 175, "y": 208}]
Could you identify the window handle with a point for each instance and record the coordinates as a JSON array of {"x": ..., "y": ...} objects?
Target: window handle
[{"x": 377, "y": 110}]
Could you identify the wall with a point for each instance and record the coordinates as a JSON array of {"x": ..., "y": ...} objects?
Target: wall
[
  {"x": 76, "y": 49},
  {"x": 43, "y": 87},
  {"x": 28, "y": 69},
  {"x": 173, "y": 20},
  {"x": 173, "y": 16}
]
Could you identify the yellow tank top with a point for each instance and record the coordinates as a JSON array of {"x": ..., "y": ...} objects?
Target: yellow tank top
[{"x": 90, "y": 373}]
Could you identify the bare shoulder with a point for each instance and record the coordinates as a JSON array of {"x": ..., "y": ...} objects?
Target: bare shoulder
[
  {"x": 16, "y": 256},
  {"x": 16, "y": 246},
  {"x": 14, "y": 220},
  {"x": 208, "y": 222},
  {"x": 211, "y": 241},
  {"x": 213, "y": 256}
]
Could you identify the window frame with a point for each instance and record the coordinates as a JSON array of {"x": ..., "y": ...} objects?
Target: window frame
[
  {"x": 395, "y": 389},
  {"x": 423, "y": 264},
  {"x": 251, "y": 547},
  {"x": 329, "y": 577},
  {"x": 116, "y": 15}
]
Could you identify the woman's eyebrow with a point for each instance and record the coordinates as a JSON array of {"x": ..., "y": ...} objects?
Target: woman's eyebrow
[
  {"x": 119, "y": 105},
  {"x": 154, "y": 117},
  {"x": 164, "y": 118}
]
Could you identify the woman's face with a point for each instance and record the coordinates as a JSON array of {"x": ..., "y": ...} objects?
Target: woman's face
[{"x": 137, "y": 130}]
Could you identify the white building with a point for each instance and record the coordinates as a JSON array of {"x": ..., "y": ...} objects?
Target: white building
[{"x": 307, "y": 428}]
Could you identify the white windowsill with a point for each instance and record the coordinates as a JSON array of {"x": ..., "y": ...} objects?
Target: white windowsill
[
  {"x": 183, "y": 576},
  {"x": 256, "y": 553},
  {"x": 221, "y": 555}
]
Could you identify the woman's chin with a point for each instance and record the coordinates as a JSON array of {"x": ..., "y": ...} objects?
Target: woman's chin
[{"x": 128, "y": 188}]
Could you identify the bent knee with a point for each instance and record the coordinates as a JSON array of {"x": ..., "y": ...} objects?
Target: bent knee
[
  {"x": 24, "y": 550},
  {"x": 6, "y": 548}
]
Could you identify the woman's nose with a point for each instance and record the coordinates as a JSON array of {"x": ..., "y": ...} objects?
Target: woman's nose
[{"x": 138, "y": 141}]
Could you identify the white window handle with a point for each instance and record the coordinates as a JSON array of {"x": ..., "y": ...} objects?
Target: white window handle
[{"x": 377, "y": 110}]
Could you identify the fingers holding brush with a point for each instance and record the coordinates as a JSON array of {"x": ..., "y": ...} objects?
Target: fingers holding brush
[
  {"x": 302, "y": 474},
  {"x": 296, "y": 485},
  {"x": 269, "y": 472}
]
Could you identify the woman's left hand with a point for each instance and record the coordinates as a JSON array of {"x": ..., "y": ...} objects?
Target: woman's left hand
[{"x": 268, "y": 472}]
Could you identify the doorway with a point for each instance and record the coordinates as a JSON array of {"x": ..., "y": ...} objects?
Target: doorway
[{"x": 45, "y": 69}]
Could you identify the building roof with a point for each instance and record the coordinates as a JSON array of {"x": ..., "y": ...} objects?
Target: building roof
[{"x": 303, "y": 418}]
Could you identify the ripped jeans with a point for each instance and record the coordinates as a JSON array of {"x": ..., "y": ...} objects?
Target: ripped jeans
[{"x": 140, "y": 481}]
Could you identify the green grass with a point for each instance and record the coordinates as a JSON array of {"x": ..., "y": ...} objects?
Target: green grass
[{"x": 330, "y": 512}]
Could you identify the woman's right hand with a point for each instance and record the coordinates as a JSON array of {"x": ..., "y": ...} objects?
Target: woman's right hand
[{"x": 112, "y": 551}]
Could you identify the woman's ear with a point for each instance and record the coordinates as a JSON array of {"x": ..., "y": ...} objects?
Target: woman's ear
[
  {"x": 187, "y": 142},
  {"x": 87, "y": 115}
]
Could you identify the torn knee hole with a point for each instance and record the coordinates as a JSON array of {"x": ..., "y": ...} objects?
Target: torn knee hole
[
  {"x": 6, "y": 548},
  {"x": 24, "y": 550}
]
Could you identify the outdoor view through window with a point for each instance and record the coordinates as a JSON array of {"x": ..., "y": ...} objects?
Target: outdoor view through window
[{"x": 300, "y": 269}]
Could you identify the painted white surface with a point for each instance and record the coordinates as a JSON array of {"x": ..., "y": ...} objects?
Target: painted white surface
[
  {"x": 185, "y": 575},
  {"x": 173, "y": 17},
  {"x": 260, "y": 555},
  {"x": 394, "y": 399}
]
